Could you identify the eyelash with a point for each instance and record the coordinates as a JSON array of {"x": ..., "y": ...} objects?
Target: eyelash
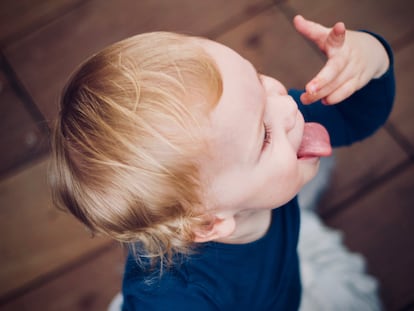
[{"x": 267, "y": 134}]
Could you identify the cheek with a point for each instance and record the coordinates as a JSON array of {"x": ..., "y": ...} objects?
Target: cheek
[
  {"x": 231, "y": 189},
  {"x": 283, "y": 183},
  {"x": 309, "y": 169},
  {"x": 286, "y": 169}
]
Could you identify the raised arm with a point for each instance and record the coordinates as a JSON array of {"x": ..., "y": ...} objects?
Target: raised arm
[
  {"x": 353, "y": 93},
  {"x": 353, "y": 59}
]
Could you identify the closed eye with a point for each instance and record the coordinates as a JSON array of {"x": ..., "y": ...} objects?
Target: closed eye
[{"x": 267, "y": 139}]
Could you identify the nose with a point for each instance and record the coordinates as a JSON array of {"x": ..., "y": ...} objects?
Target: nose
[
  {"x": 281, "y": 106},
  {"x": 291, "y": 113}
]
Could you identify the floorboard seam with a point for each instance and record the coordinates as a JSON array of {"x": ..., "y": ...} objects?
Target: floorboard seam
[
  {"x": 236, "y": 20},
  {"x": 402, "y": 42},
  {"x": 34, "y": 112},
  {"x": 399, "y": 138},
  {"x": 363, "y": 191},
  {"x": 289, "y": 12},
  {"x": 54, "y": 274},
  {"x": 23, "y": 94},
  {"x": 40, "y": 23}
]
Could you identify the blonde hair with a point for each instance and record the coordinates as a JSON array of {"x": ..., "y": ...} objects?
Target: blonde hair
[{"x": 128, "y": 138}]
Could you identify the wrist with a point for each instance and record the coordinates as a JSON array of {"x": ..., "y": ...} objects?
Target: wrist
[
  {"x": 380, "y": 54},
  {"x": 384, "y": 62}
]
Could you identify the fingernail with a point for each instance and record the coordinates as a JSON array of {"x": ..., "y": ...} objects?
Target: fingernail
[{"x": 312, "y": 89}]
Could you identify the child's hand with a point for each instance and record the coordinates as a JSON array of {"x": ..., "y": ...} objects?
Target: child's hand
[{"x": 354, "y": 58}]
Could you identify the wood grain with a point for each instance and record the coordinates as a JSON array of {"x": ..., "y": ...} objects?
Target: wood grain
[
  {"x": 390, "y": 18},
  {"x": 36, "y": 238},
  {"x": 271, "y": 43},
  {"x": 359, "y": 165},
  {"x": 22, "y": 138},
  {"x": 87, "y": 287},
  {"x": 20, "y": 17},
  {"x": 44, "y": 60},
  {"x": 381, "y": 226}
]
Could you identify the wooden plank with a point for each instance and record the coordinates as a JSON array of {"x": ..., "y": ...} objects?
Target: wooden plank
[
  {"x": 88, "y": 287},
  {"x": 403, "y": 114},
  {"x": 17, "y": 17},
  {"x": 21, "y": 138},
  {"x": 381, "y": 227},
  {"x": 36, "y": 237},
  {"x": 390, "y": 18},
  {"x": 359, "y": 165},
  {"x": 44, "y": 59},
  {"x": 272, "y": 44}
]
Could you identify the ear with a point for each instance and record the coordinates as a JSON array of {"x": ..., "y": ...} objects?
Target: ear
[{"x": 221, "y": 228}]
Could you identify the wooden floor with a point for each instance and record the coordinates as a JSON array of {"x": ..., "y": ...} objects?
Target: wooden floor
[{"x": 49, "y": 262}]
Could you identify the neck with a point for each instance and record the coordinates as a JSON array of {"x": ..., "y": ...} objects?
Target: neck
[{"x": 251, "y": 225}]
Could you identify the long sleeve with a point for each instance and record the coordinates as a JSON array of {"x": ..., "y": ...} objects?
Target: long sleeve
[{"x": 358, "y": 116}]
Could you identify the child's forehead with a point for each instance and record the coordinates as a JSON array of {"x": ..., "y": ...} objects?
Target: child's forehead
[
  {"x": 237, "y": 73},
  {"x": 234, "y": 120}
]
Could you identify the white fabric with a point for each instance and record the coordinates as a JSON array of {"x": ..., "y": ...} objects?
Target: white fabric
[
  {"x": 332, "y": 277},
  {"x": 116, "y": 303}
]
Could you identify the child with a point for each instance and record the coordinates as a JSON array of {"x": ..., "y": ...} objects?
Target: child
[{"x": 177, "y": 146}]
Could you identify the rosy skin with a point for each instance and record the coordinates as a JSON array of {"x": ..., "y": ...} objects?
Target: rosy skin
[
  {"x": 354, "y": 58},
  {"x": 249, "y": 173},
  {"x": 250, "y": 170}
]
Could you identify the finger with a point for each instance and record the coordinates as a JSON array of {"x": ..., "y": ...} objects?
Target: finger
[
  {"x": 343, "y": 76},
  {"x": 341, "y": 93},
  {"x": 332, "y": 69},
  {"x": 306, "y": 99},
  {"x": 328, "y": 88},
  {"x": 336, "y": 37},
  {"x": 311, "y": 30}
]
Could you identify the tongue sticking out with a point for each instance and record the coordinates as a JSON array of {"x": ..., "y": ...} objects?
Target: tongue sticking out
[{"x": 315, "y": 142}]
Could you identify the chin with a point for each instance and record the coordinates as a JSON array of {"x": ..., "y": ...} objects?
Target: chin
[
  {"x": 310, "y": 160},
  {"x": 311, "y": 168}
]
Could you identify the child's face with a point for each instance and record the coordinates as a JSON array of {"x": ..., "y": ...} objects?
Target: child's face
[{"x": 256, "y": 130}]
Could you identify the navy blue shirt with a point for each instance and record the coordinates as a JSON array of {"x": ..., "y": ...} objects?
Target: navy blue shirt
[{"x": 262, "y": 275}]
